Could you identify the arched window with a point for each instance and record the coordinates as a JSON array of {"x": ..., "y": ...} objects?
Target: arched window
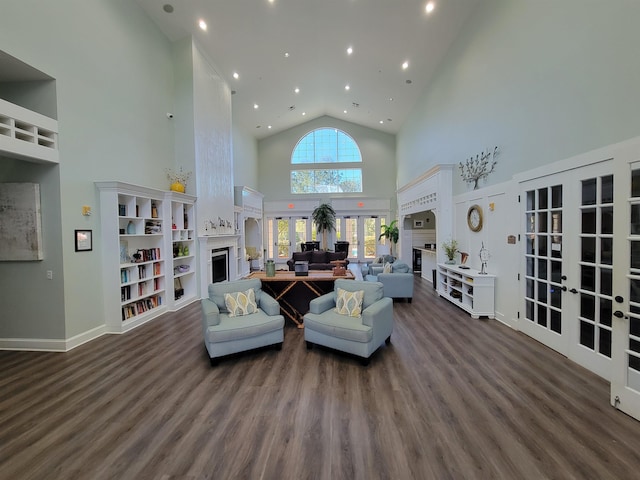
[{"x": 323, "y": 147}]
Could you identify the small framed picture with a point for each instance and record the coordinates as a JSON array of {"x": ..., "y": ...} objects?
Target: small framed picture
[
  {"x": 418, "y": 224},
  {"x": 84, "y": 241}
]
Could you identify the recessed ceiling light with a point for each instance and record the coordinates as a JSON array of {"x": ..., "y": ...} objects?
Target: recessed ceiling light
[
  {"x": 255, "y": 106},
  {"x": 347, "y": 87},
  {"x": 167, "y": 7},
  {"x": 349, "y": 50},
  {"x": 304, "y": 113},
  {"x": 297, "y": 90},
  {"x": 269, "y": 127},
  {"x": 408, "y": 82},
  {"x": 429, "y": 7},
  {"x": 381, "y": 121},
  {"x": 344, "y": 111},
  {"x": 405, "y": 65},
  {"x": 203, "y": 25},
  {"x": 235, "y": 75},
  {"x": 391, "y": 99},
  {"x": 286, "y": 54}
]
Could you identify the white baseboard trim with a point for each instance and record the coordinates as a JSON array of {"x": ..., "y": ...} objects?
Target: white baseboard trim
[{"x": 51, "y": 345}]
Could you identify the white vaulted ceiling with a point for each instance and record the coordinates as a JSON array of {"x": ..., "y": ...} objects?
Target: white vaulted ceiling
[{"x": 276, "y": 46}]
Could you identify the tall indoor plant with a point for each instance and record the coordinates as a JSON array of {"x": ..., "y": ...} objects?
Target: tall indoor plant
[
  {"x": 391, "y": 233},
  {"x": 324, "y": 216}
]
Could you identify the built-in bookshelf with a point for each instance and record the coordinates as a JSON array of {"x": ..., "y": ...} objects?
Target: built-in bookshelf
[
  {"x": 183, "y": 249},
  {"x": 148, "y": 253}
]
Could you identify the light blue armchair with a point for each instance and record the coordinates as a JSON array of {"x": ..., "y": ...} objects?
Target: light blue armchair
[
  {"x": 358, "y": 335},
  {"x": 225, "y": 334},
  {"x": 397, "y": 284}
]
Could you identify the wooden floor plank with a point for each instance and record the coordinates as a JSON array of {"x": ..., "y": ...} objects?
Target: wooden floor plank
[{"x": 450, "y": 398}]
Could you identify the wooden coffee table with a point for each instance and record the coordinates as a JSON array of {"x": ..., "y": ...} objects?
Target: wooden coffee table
[{"x": 294, "y": 293}]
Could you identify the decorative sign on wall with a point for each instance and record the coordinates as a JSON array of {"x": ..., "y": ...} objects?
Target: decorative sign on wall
[{"x": 20, "y": 222}]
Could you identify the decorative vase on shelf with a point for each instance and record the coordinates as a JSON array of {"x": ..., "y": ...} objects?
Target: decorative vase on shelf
[
  {"x": 177, "y": 187},
  {"x": 450, "y": 261},
  {"x": 131, "y": 228}
]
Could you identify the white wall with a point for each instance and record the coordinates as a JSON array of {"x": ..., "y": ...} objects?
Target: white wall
[
  {"x": 213, "y": 147},
  {"x": 245, "y": 159},
  {"x": 114, "y": 85},
  {"x": 543, "y": 80},
  {"x": 378, "y": 156}
]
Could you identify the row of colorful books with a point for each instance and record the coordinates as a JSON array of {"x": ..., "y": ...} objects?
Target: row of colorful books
[{"x": 141, "y": 306}]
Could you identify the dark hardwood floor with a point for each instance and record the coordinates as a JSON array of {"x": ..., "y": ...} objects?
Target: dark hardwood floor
[{"x": 450, "y": 398}]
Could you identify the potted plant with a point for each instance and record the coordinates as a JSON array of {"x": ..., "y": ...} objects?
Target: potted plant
[
  {"x": 450, "y": 250},
  {"x": 253, "y": 256},
  {"x": 391, "y": 233},
  {"x": 324, "y": 216}
]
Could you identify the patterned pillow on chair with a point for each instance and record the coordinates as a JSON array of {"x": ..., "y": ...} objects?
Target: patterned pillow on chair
[
  {"x": 241, "y": 303},
  {"x": 349, "y": 303}
]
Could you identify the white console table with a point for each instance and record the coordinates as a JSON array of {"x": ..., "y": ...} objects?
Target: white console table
[{"x": 468, "y": 289}]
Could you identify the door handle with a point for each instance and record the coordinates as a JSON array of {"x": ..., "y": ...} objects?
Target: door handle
[
  {"x": 619, "y": 299},
  {"x": 563, "y": 277},
  {"x": 573, "y": 290},
  {"x": 564, "y": 288},
  {"x": 619, "y": 314}
]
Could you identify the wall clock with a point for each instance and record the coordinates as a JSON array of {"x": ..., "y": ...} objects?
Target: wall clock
[{"x": 474, "y": 218}]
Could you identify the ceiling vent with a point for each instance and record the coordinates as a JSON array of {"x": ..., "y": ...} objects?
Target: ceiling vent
[{"x": 292, "y": 108}]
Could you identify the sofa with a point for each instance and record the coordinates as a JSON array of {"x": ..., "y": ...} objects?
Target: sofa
[
  {"x": 318, "y": 260},
  {"x": 225, "y": 333},
  {"x": 397, "y": 278},
  {"x": 360, "y": 328}
]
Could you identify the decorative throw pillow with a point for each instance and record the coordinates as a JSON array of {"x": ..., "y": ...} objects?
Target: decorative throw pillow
[
  {"x": 387, "y": 268},
  {"x": 349, "y": 303},
  {"x": 241, "y": 303}
]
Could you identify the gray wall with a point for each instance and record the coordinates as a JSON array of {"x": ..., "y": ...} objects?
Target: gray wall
[
  {"x": 378, "y": 157},
  {"x": 542, "y": 80}
]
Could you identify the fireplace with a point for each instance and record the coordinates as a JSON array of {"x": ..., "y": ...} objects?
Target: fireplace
[
  {"x": 219, "y": 261},
  {"x": 219, "y": 265}
]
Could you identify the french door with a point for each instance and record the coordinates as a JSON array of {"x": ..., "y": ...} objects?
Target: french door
[
  {"x": 568, "y": 263},
  {"x": 625, "y": 380},
  {"x": 285, "y": 234},
  {"x": 362, "y": 233},
  {"x": 581, "y": 265}
]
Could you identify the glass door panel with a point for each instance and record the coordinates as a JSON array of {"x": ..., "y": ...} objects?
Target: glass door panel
[
  {"x": 543, "y": 260},
  {"x": 301, "y": 233},
  {"x": 371, "y": 233},
  {"x": 595, "y": 274},
  {"x": 279, "y": 246}
]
